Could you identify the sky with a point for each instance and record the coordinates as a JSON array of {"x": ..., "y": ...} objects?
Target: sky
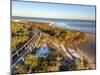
[{"x": 48, "y": 10}]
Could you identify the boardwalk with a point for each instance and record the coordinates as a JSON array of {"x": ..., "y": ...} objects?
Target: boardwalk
[{"x": 26, "y": 48}]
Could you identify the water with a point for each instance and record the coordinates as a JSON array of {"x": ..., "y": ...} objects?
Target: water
[
  {"x": 42, "y": 52},
  {"x": 79, "y": 25}
]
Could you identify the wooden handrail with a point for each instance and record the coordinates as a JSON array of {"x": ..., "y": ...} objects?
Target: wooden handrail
[{"x": 25, "y": 43}]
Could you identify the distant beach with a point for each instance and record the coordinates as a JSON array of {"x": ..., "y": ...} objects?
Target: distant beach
[
  {"x": 79, "y": 25},
  {"x": 89, "y": 47}
]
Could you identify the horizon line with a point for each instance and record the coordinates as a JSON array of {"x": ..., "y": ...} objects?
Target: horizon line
[{"x": 57, "y": 18}]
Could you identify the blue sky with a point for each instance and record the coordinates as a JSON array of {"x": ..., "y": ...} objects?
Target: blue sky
[{"x": 45, "y": 10}]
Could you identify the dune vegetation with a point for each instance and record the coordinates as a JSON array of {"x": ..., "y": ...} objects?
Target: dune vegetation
[{"x": 52, "y": 37}]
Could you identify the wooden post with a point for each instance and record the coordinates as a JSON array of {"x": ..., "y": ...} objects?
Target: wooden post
[{"x": 17, "y": 54}]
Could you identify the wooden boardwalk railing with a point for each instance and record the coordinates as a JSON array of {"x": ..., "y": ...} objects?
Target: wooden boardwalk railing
[{"x": 26, "y": 48}]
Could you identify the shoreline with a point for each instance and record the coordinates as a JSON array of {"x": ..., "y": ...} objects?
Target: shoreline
[{"x": 89, "y": 47}]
